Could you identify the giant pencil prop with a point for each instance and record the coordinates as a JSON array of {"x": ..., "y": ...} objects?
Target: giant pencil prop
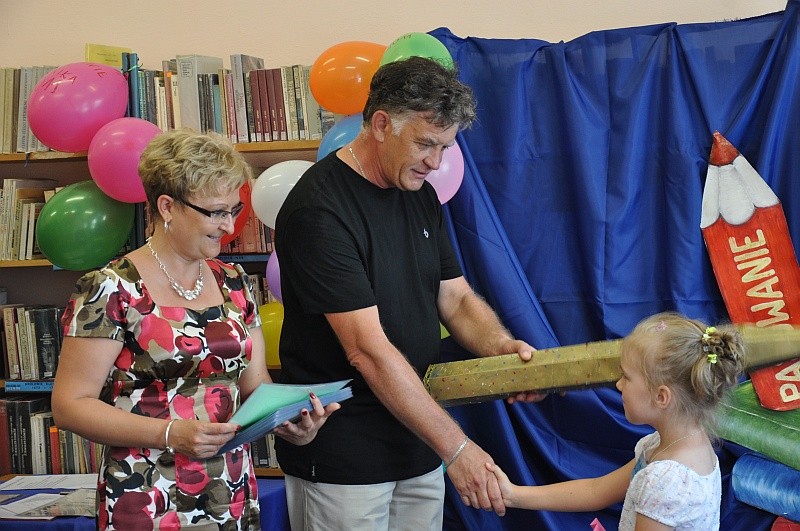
[
  {"x": 748, "y": 241},
  {"x": 574, "y": 367}
]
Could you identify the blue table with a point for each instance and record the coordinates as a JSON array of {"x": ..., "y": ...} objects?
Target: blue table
[{"x": 271, "y": 496}]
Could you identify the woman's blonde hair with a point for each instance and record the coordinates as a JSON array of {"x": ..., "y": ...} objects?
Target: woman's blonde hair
[
  {"x": 182, "y": 162},
  {"x": 697, "y": 362}
]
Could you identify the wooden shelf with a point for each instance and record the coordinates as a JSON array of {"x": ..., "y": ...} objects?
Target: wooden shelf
[
  {"x": 41, "y": 156},
  {"x": 268, "y": 472},
  {"x": 304, "y": 149},
  {"x": 26, "y": 263}
]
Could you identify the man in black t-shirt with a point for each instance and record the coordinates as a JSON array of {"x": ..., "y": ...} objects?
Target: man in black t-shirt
[{"x": 367, "y": 274}]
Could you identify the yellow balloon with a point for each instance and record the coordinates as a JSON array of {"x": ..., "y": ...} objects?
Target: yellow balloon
[
  {"x": 445, "y": 333},
  {"x": 271, "y": 322}
]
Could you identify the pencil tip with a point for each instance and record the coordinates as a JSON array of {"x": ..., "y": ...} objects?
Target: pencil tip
[{"x": 722, "y": 151}]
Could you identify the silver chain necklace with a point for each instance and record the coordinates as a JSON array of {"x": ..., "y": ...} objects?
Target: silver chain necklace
[
  {"x": 360, "y": 167},
  {"x": 188, "y": 294},
  {"x": 652, "y": 457}
]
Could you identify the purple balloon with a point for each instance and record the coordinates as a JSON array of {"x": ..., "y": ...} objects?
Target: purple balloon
[
  {"x": 447, "y": 179},
  {"x": 273, "y": 275}
]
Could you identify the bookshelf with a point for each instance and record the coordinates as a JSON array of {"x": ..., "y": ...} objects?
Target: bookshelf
[{"x": 39, "y": 282}]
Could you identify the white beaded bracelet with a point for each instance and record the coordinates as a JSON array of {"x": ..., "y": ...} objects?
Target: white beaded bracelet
[
  {"x": 168, "y": 448},
  {"x": 458, "y": 452}
]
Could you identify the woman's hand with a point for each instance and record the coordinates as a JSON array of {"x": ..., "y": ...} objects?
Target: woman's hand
[
  {"x": 199, "y": 439},
  {"x": 303, "y": 431}
]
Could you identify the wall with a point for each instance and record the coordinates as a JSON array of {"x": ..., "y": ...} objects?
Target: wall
[{"x": 53, "y": 32}]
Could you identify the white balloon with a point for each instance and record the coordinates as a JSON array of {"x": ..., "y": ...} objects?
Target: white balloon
[{"x": 272, "y": 187}]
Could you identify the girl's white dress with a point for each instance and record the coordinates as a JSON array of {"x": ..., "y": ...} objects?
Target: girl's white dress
[{"x": 671, "y": 493}]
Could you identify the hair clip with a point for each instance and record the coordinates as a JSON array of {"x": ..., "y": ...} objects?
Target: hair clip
[
  {"x": 712, "y": 359},
  {"x": 661, "y": 326},
  {"x": 707, "y": 334}
]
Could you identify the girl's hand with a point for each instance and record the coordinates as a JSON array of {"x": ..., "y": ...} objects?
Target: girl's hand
[
  {"x": 303, "y": 431},
  {"x": 505, "y": 484}
]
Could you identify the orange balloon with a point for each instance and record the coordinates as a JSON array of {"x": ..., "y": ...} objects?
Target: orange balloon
[{"x": 340, "y": 77}]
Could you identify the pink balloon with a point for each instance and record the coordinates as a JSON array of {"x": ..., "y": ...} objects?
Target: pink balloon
[
  {"x": 114, "y": 157},
  {"x": 447, "y": 179},
  {"x": 71, "y": 103},
  {"x": 273, "y": 275}
]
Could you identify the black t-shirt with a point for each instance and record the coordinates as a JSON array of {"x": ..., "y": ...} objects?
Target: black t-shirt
[{"x": 344, "y": 244}]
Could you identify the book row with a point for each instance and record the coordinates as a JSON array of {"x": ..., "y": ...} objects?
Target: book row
[
  {"x": 245, "y": 102},
  {"x": 30, "y": 443},
  {"x": 31, "y": 340},
  {"x": 21, "y": 202},
  {"x": 16, "y": 85}
]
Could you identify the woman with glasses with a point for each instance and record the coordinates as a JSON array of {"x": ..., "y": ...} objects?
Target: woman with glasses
[{"x": 163, "y": 344}]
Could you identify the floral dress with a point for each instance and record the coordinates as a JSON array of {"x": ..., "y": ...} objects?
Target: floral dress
[{"x": 175, "y": 363}]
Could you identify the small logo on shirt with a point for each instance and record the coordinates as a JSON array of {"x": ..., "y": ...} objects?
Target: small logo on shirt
[{"x": 425, "y": 232}]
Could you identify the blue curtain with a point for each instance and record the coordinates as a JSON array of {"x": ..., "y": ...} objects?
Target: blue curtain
[{"x": 579, "y": 214}]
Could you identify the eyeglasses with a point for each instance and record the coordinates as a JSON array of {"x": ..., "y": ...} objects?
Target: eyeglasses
[{"x": 218, "y": 216}]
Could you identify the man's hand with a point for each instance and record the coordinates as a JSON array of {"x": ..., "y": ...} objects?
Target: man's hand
[
  {"x": 476, "y": 485},
  {"x": 525, "y": 352}
]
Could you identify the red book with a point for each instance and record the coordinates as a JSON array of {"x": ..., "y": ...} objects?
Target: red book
[
  {"x": 266, "y": 118},
  {"x": 55, "y": 451},
  {"x": 6, "y": 466},
  {"x": 252, "y": 77}
]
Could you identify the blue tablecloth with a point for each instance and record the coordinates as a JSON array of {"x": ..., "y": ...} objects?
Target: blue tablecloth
[{"x": 271, "y": 495}]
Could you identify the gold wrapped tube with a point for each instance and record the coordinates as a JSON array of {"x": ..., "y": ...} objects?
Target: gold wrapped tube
[{"x": 574, "y": 367}]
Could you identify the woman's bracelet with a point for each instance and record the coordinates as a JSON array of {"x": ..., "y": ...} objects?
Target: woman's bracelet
[
  {"x": 457, "y": 453},
  {"x": 168, "y": 448}
]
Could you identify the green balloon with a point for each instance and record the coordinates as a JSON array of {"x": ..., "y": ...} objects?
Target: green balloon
[
  {"x": 80, "y": 227},
  {"x": 420, "y": 45}
]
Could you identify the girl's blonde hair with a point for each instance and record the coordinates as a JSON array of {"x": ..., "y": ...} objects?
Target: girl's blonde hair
[
  {"x": 697, "y": 362},
  {"x": 182, "y": 162}
]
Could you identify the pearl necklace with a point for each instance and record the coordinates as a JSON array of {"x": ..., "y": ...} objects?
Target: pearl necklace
[
  {"x": 188, "y": 294},
  {"x": 653, "y": 457},
  {"x": 360, "y": 167}
]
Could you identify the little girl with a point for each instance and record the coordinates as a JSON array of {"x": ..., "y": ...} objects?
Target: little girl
[{"x": 675, "y": 371}]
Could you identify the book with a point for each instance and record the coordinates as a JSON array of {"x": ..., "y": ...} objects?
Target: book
[
  {"x": 55, "y": 450},
  {"x": 223, "y": 101},
  {"x": 280, "y": 107},
  {"x": 254, "y": 118},
  {"x": 6, "y": 463},
  {"x": 230, "y": 108},
  {"x": 3, "y": 73},
  {"x": 47, "y": 340},
  {"x": 289, "y": 103},
  {"x": 23, "y": 344},
  {"x": 133, "y": 85},
  {"x": 9, "y": 316},
  {"x": 270, "y": 405},
  {"x": 313, "y": 124},
  {"x": 189, "y": 66},
  {"x": 298, "y": 98},
  {"x": 32, "y": 250},
  {"x": 7, "y": 105},
  {"x": 241, "y": 64},
  {"x": 267, "y": 105},
  {"x": 40, "y": 442},
  {"x": 104, "y": 54},
  {"x": 24, "y": 134},
  {"x": 21, "y": 411}
]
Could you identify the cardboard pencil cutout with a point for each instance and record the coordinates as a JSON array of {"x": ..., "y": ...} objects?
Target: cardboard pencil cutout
[{"x": 748, "y": 241}]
